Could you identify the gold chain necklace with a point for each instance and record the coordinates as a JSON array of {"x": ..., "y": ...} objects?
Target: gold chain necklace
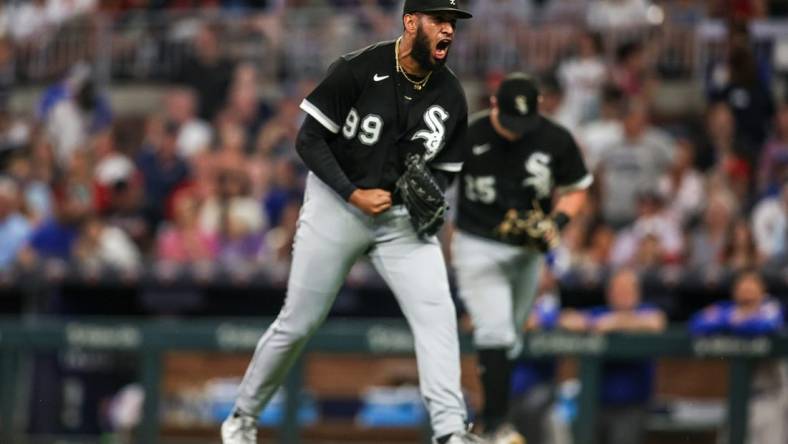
[{"x": 416, "y": 85}]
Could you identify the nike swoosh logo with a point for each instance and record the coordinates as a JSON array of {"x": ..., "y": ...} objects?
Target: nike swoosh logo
[
  {"x": 478, "y": 150},
  {"x": 378, "y": 78}
]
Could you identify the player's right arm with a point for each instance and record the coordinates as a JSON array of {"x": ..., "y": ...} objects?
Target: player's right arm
[{"x": 328, "y": 104}]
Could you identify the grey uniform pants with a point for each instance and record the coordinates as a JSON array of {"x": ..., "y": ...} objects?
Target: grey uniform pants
[
  {"x": 498, "y": 284},
  {"x": 331, "y": 236}
]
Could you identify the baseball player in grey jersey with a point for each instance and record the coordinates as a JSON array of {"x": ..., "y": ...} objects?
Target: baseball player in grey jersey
[
  {"x": 519, "y": 163},
  {"x": 385, "y": 126}
]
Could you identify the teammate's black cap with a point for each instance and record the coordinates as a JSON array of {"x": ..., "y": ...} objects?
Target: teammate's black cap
[
  {"x": 428, "y": 6},
  {"x": 518, "y": 103}
]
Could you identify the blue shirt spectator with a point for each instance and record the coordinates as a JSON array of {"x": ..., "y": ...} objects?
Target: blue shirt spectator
[
  {"x": 627, "y": 385},
  {"x": 54, "y": 240},
  {"x": 751, "y": 313},
  {"x": 14, "y": 228},
  {"x": 163, "y": 171},
  {"x": 625, "y": 382}
]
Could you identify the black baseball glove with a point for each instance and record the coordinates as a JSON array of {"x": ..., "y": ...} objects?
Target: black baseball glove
[
  {"x": 531, "y": 228},
  {"x": 422, "y": 196}
]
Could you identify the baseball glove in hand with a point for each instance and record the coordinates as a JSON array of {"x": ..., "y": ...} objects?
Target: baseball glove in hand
[
  {"x": 422, "y": 196},
  {"x": 531, "y": 228}
]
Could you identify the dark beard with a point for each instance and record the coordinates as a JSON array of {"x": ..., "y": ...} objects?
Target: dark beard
[{"x": 422, "y": 52}]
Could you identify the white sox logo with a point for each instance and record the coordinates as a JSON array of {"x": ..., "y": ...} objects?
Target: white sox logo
[
  {"x": 433, "y": 139},
  {"x": 453, "y": 2},
  {"x": 541, "y": 177},
  {"x": 521, "y": 104}
]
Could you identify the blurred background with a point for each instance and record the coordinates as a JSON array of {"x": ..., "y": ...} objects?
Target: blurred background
[{"x": 147, "y": 170}]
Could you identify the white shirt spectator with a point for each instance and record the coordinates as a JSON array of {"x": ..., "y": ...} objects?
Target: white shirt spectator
[
  {"x": 687, "y": 200},
  {"x": 663, "y": 227},
  {"x": 117, "y": 250},
  {"x": 606, "y": 14},
  {"x": 770, "y": 224},
  {"x": 194, "y": 137},
  {"x": 597, "y": 137},
  {"x": 67, "y": 129},
  {"x": 582, "y": 79}
]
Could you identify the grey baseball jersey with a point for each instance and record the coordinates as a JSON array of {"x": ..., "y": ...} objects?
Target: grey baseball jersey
[{"x": 378, "y": 118}]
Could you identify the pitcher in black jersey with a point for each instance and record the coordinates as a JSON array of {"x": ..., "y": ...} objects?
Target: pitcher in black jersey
[
  {"x": 516, "y": 158},
  {"x": 374, "y": 108}
]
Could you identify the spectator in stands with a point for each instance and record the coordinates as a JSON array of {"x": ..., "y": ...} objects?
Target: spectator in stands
[
  {"x": 618, "y": 14},
  {"x": 14, "y": 227},
  {"x": 606, "y": 131},
  {"x": 236, "y": 218},
  {"x": 183, "y": 241},
  {"x": 231, "y": 152},
  {"x": 683, "y": 185},
  {"x": 631, "y": 72},
  {"x": 193, "y": 134},
  {"x": 751, "y": 313},
  {"x": 100, "y": 246},
  {"x": 74, "y": 200},
  {"x": 770, "y": 226},
  {"x": 637, "y": 163},
  {"x": 208, "y": 73},
  {"x": 627, "y": 386},
  {"x": 720, "y": 143},
  {"x": 244, "y": 106},
  {"x": 14, "y": 135},
  {"x": 163, "y": 170},
  {"x": 747, "y": 92},
  {"x": 119, "y": 189},
  {"x": 285, "y": 188},
  {"x": 72, "y": 111},
  {"x": 654, "y": 239},
  {"x": 582, "y": 77},
  {"x": 35, "y": 194},
  {"x": 707, "y": 240},
  {"x": 740, "y": 251},
  {"x": 773, "y": 166}
]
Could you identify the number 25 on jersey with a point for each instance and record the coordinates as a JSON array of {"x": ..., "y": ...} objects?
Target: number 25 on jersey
[{"x": 480, "y": 189}]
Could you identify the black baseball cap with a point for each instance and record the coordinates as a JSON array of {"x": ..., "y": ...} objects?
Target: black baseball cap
[
  {"x": 518, "y": 103},
  {"x": 427, "y": 6}
]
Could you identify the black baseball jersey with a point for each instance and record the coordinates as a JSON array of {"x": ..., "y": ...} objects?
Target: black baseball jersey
[
  {"x": 499, "y": 174},
  {"x": 379, "y": 117}
]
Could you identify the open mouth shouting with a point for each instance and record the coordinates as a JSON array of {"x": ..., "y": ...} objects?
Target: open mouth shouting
[{"x": 441, "y": 50}]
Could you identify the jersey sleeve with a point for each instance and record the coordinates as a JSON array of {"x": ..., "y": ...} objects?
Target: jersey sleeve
[
  {"x": 451, "y": 157},
  {"x": 332, "y": 99},
  {"x": 571, "y": 173}
]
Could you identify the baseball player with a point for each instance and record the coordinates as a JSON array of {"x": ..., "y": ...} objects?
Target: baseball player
[
  {"x": 519, "y": 163},
  {"x": 382, "y": 139}
]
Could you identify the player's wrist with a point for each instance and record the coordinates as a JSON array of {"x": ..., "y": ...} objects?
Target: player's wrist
[
  {"x": 347, "y": 193},
  {"x": 561, "y": 220}
]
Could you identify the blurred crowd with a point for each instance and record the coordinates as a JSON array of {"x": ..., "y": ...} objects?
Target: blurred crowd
[{"x": 210, "y": 177}]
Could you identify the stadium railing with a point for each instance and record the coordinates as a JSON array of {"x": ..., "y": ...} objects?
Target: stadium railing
[
  {"x": 147, "y": 46},
  {"x": 151, "y": 339}
]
